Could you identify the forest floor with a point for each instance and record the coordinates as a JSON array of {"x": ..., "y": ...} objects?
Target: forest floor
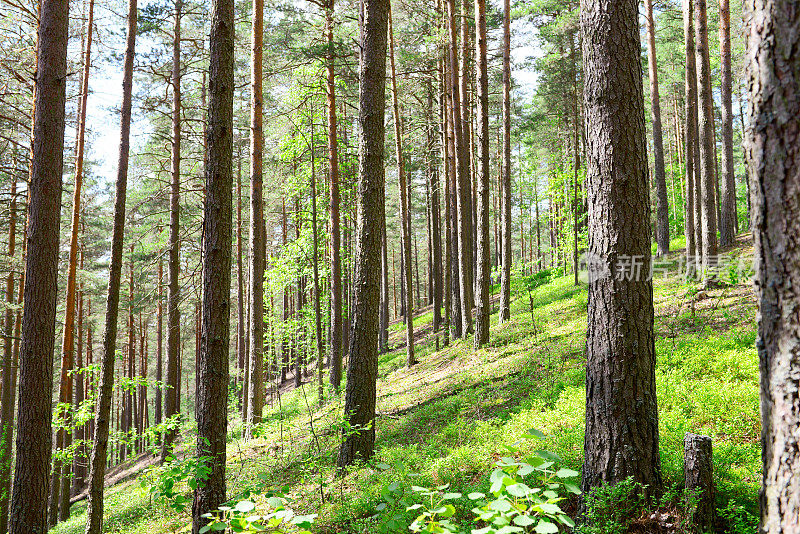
[{"x": 446, "y": 420}]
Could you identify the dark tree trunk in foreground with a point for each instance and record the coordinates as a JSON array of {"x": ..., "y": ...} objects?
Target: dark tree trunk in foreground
[
  {"x": 620, "y": 369},
  {"x": 662, "y": 205},
  {"x": 172, "y": 393},
  {"x": 98, "y": 461},
  {"x": 255, "y": 329},
  {"x": 35, "y": 413},
  {"x": 482, "y": 307},
  {"x": 727, "y": 226},
  {"x": 362, "y": 366},
  {"x": 212, "y": 365},
  {"x": 773, "y": 154},
  {"x": 706, "y": 174},
  {"x": 504, "y": 313}
]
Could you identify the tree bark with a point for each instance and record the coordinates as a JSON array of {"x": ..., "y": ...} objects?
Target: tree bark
[
  {"x": 504, "y": 313},
  {"x": 773, "y": 156},
  {"x": 255, "y": 395},
  {"x": 727, "y": 227},
  {"x": 362, "y": 366},
  {"x": 333, "y": 176},
  {"x": 706, "y": 174},
  {"x": 482, "y": 306},
  {"x": 620, "y": 369},
  {"x": 172, "y": 395},
  {"x": 405, "y": 212},
  {"x": 212, "y": 365},
  {"x": 662, "y": 204},
  {"x": 35, "y": 413},
  {"x": 691, "y": 224},
  {"x": 699, "y": 480}
]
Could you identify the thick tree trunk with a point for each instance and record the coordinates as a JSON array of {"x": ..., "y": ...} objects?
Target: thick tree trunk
[
  {"x": 362, "y": 366},
  {"x": 662, "y": 205},
  {"x": 405, "y": 212},
  {"x": 504, "y": 313},
  {"x": 212, "y": 365},
  {"x": 482, "y": 306},
  {"x": 727, "y": 227},
  {"x": 35, "y": 413},
  {"x": 172, "y": 394},
  {"x": 773, "y": 155},
  {"x": 706, "y": 173},
  {"x": 620, "y": 369},
  {"x": 255, "y": 395}
]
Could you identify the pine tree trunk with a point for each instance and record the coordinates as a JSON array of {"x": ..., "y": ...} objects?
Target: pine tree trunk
[
  {"x": 773, "y": 154},
  {"x": 172, "y": 394},
  {"x": 405, "y": 212},
  {"x": 482, "y": 304},
  {"x": 34, "y": 439},
  {"x": 706, "y": 173},
  {"x": 255, "y": 394},
  {"x": 505, "y": 281},
  {"x": 333, "y": 176},
  {"x": 241, "y": 354},
  {"x": 212, "y": 364},
  {"x": 727, "y": 227},
  {"x": 362, "y": 366},
  {"x": 159, "y": 342},
  {"x": 620, "y": 369}
]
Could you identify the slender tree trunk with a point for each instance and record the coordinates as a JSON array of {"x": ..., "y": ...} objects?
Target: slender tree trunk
[
  {"x": 255, "y": 396},
  {"x": 333, "y": 176},
  {"x": 773, "y": 154},
  {"x": 436, "y": 231},
  {"x": 159, "y": 341},
  {"x": 505, "y": 281},
  {"x": 35, "y": 414},
  {"x": 98, "y": 463},
  {"x": 691, "y": 222},
  {"x": 212, "y": 386},
  {"x": 727, "y": 227},
  {"x": 452, "y": 195},
  {"x": 620, "y": 371},
  {"x": 405, "y": 212},
  {"x": 241, "y": 354},
  {"x": 706, "y": 173},
  {"x": 482, "y": 305},
  {"x": 172, "y": 395},
  {"x": 383, "y": 340},
  {"x": 362, "y": 366},
  {"x": 662, "y": 204},
  {"x": 9, "y": 375},
  {"x": 320, "y": 349}
]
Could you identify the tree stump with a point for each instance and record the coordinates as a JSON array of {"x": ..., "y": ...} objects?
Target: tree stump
[{"x": 698, "y": 473}]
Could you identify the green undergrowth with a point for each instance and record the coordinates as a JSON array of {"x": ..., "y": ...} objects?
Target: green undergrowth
[{"x": 448, "y": 419}]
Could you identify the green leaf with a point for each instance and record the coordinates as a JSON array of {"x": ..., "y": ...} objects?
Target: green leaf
[
  {"x": 566, "y": 473},
  {"x": 383, "y": 466},
  {"x": 572, "y": 488},
  {"x": 244, "y": 506},
  {"x": 523, "y": 520},
  {"x": 475, "y": 496},
  {"x": 533, "y": 433},
  {"x": 381, "y": 507},
  {"x": 501, "y": 505},
  {"x": 546, "y": 527},
  {"x": 449, "y": 496},
  {"x": 217, "y": 526},
  {"x": 519, "y": 490},
  {"x": 413, "y": 507},
  {"x": 567, "y": 520}
]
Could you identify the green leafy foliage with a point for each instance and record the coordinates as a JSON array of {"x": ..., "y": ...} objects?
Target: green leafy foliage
[{"x": 244, "y": 518}]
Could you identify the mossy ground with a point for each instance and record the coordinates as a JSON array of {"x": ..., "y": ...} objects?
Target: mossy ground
[{"x": 446, "y": 419}]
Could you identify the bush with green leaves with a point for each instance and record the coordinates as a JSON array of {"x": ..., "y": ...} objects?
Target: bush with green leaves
[
  {"x": 611, "y": 508},
  {"x": 242, "y": 518},
  {"x": 165, "y": 481}
]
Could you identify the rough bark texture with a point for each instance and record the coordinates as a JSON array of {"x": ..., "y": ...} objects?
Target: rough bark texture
[
  {"x": 773, "y": 155},
  {"x": 620, "y": 373},
  {"x": 255, "y": 394},
  {"x": 102, "y": 418},
  {"x": 690, "y": 142},
  {"x": 405, "y": 212},
  {"x": 662, "y": 205},
  {"x": 362, "y": 366},
  {"x": 482, "y": 306},
  {"x": 333, "y": 177},
  {"x": 706, "y": 171},
  {"x": 504, "y": 313},
  {"x": 212, "y": 364},
  {"x": 35, "y": 413},
  {"x": 698, "y": 475},
  {"x": 727, "y": 221}
]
